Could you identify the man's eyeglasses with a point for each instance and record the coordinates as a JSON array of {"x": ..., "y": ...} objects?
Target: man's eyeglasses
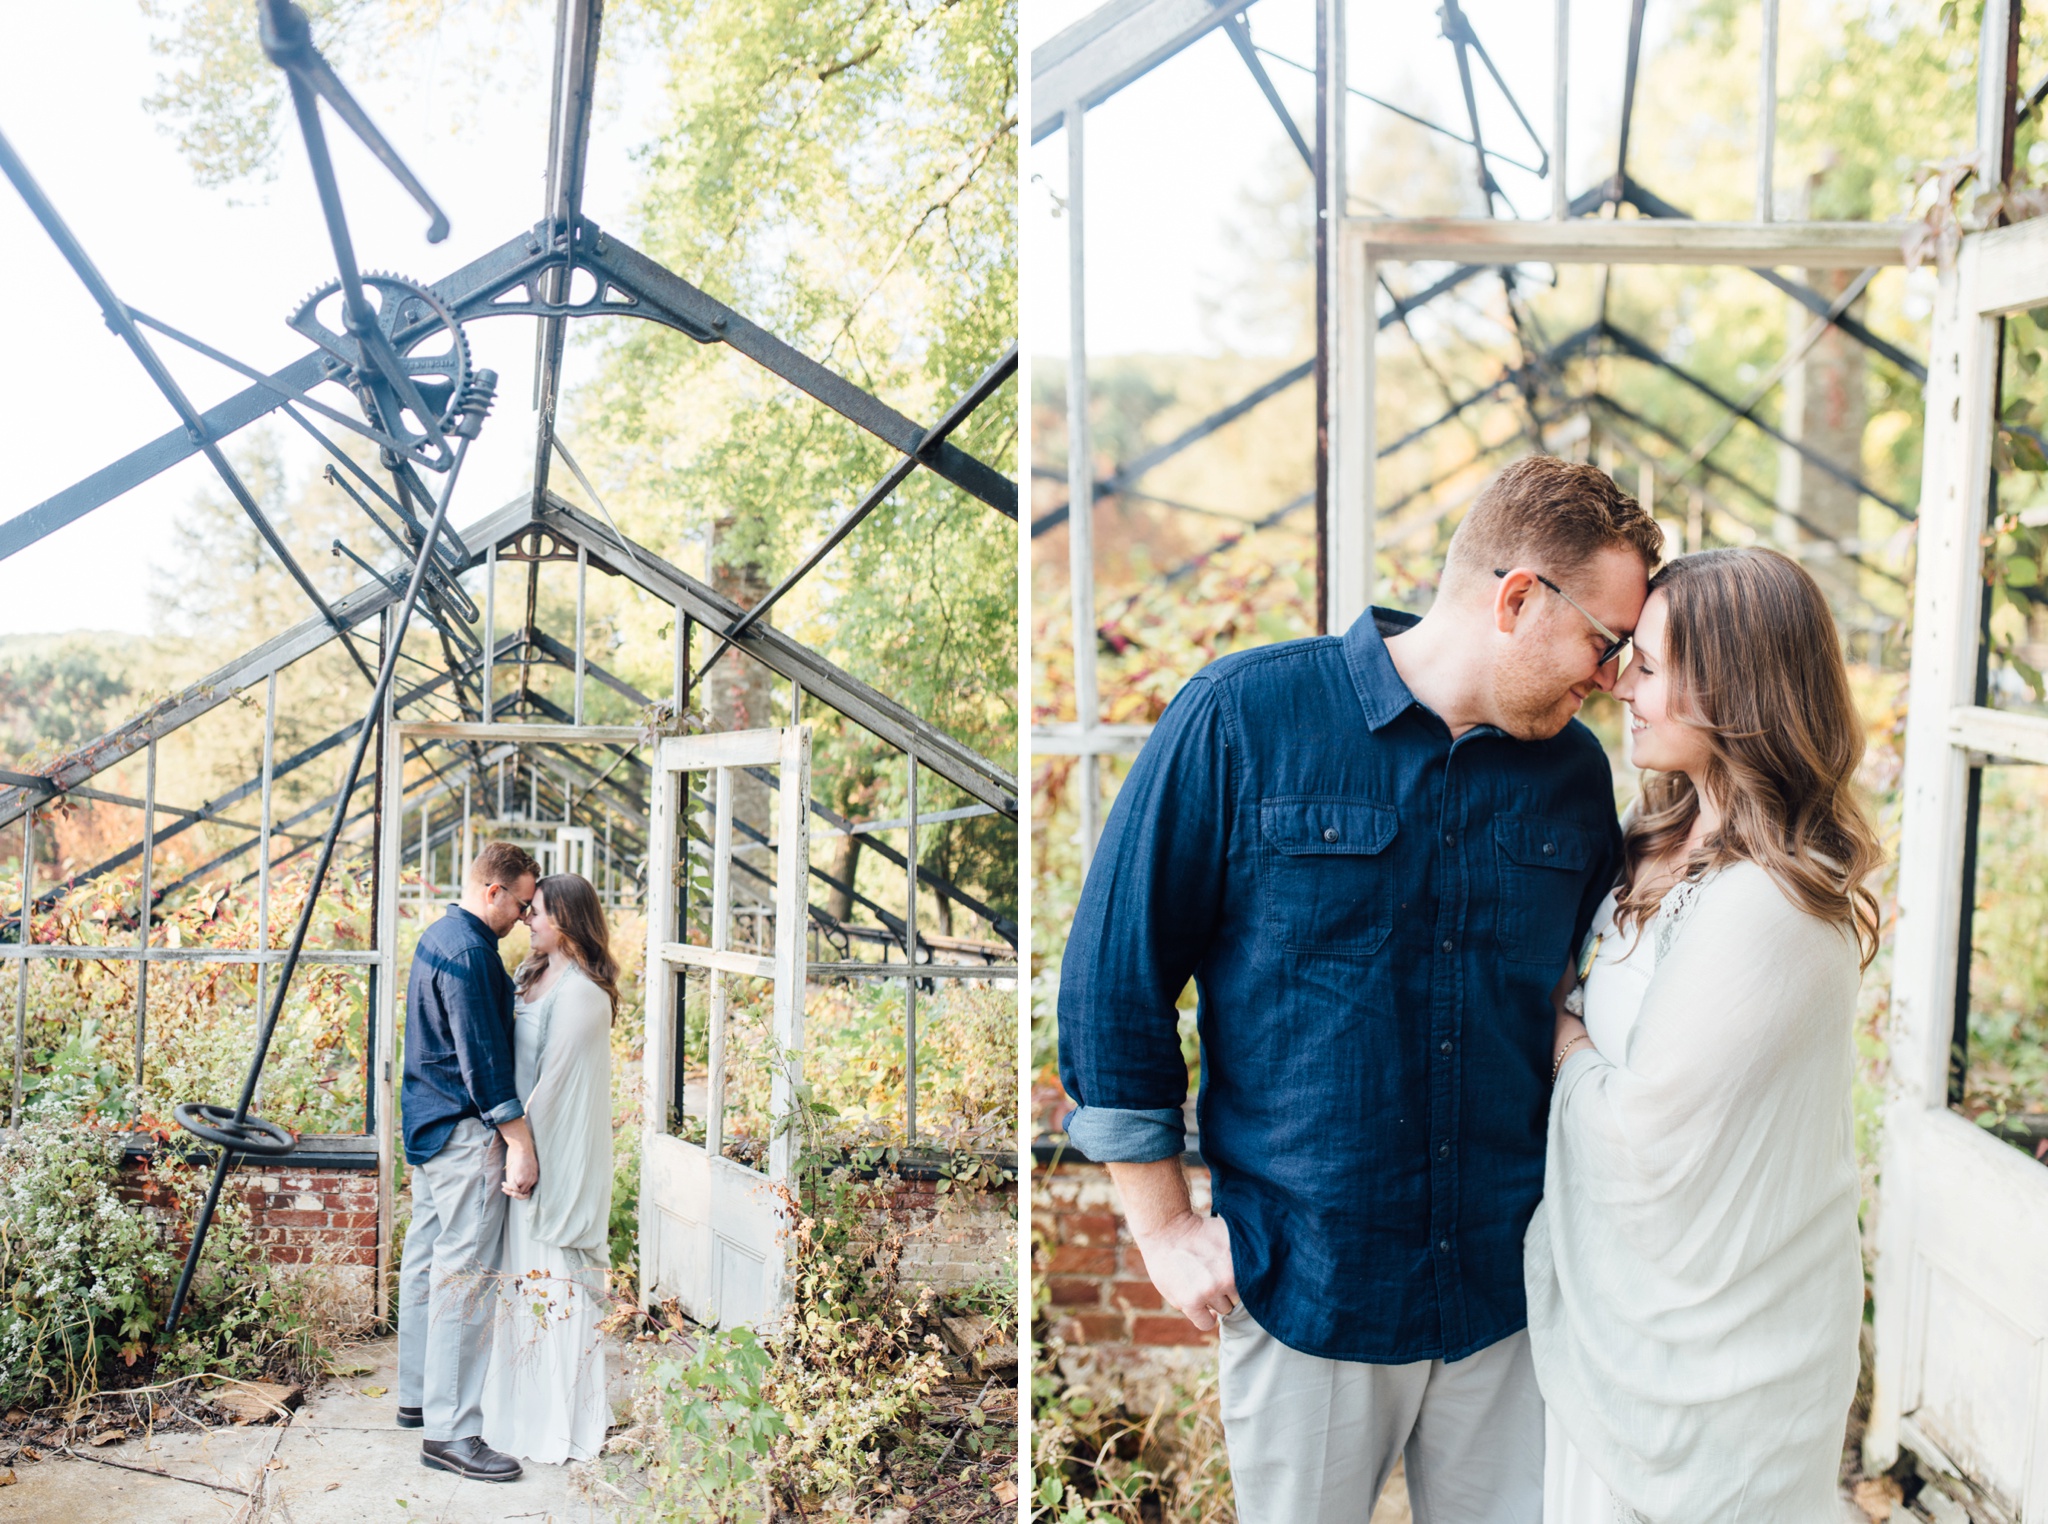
[
  {"x": 525, "y": 906},
  {"x": 1616, "y": 644}
]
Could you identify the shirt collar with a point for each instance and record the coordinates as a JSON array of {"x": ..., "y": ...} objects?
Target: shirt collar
[
  {"x": 1381, "y": 693},
  {"x": 476, "y": 923}
]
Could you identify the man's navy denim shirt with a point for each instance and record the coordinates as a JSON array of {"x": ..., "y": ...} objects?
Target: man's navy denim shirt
[
  {"x": 458, "y": 1034},
  {"x": 1374, "y": 917}
]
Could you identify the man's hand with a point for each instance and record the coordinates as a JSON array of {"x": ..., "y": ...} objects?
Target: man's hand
[
  {"x": 1187, "y": 1257},
  {"x": 522, "y": 1164},
  {"x": 1189, "y": 1262}
]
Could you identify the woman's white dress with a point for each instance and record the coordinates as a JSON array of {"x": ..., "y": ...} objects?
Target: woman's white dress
[
  {"x": 1694, "y": 1272},
  {"x": 544, "y": 1393}
]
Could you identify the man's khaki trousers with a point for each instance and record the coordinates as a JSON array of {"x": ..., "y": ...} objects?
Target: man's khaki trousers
[
  {"x": 448, "y": 1285},
  {"x": 1312, "y": 1441}
]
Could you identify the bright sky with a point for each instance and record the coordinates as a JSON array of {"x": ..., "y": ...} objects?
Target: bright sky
[
  {"x": 228, "y": 266},
  {"x": 1171, "y": 158}
]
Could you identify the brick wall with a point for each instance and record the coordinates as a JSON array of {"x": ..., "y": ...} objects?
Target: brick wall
[
  {"x": 1102, "y": 1306},
  {"x": 954, "y": 1238},
  {"x": 317, "y": 1217},
  {"x": 323, "y": 1219}
]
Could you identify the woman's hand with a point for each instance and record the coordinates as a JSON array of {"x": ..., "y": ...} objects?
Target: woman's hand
[{"x": 1570, "y": 1036}]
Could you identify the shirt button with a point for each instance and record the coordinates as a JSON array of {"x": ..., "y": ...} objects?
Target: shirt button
[
  {"x": 1329, "y": 833},
  {"x": 1443, "y": 1246},
  {"x": 1449, "y": 946},
  {"x": 1449, "y": 839},
  {"x": 1443, "y": 1150},
  {"x": 1444, "y": 1046},
  {"x": 1550, "y": 849}
]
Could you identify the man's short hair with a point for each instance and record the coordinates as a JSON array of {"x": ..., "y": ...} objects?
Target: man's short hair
[
  {"x": 1552, "y": 516},
  {"x": 503, "y": 862}
]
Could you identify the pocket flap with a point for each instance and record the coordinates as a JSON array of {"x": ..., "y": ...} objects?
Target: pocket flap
[
  {"x": 1307, "y": 824},
  {"x": 1543, "y": 843}
]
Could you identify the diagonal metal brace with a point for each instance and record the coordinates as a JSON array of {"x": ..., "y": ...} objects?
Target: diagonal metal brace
[
  {"x": 984, "y": 386},
  {"x": 123, "y": 324}
]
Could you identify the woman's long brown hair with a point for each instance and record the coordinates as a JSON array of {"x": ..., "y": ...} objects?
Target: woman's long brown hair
[
  {"x": 573, "y": 906},
  {"x": 1755, "y": 664}
]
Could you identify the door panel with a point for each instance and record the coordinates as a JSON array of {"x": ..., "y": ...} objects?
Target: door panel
[
  {"x": 1961, "y": 1294},
  {"x": 711, "y": 1227}
]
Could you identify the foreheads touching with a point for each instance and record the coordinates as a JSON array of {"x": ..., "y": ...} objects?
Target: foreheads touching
[
  {"x": 1568, "y": 522},
  {"x": 1553, "y": 562},
  {"x": 499, "y": 888}
]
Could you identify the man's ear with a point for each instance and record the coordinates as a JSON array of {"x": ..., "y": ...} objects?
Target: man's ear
[{"x": 1511, "y": 600}]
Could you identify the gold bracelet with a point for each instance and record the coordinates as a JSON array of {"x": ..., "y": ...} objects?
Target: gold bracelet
[{"x": 1558, "y": 1068}]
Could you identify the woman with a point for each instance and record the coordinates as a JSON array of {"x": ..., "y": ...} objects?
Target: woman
[
  {"x": 1694, "y": 1274},
  {"x": 544, "y": 1396}
]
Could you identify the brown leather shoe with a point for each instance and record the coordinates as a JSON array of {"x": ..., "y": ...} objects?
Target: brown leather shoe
[
  {"x": 411, "y": 1418},
  {"x": 470, "y": 1457}
]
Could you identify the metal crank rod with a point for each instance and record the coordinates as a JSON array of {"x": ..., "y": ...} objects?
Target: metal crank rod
[{"x": 236, "y": 1131}]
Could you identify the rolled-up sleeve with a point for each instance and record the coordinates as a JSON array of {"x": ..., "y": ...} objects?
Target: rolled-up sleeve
[
  {"x": 1147, "y": 914},
  {"x": 482, "y": 1046}
]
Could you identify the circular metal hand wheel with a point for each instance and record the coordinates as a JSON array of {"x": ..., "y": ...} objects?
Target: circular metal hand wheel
[
  {"x": 432, "y": 350},
  {"x": 217, "y": 1125}
]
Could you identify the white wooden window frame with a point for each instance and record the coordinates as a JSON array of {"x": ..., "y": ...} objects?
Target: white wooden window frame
[
  {"x": 1961, "y": 1296},
  {"x": 726, "y": 1198}
]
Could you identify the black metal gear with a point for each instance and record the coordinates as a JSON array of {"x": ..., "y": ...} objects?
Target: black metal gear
[{"x": 432, "y": 351}]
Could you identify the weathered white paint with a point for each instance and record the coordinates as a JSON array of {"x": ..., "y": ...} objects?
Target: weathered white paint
[
  {"x": 710, "y": 1229},
  {"x": 1962, "y": 1227},
  {"x": 1631, "y": 241}
]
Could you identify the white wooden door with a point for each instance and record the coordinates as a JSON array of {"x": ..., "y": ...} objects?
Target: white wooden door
[
  {"x": 710, "y": 1227},
  {"x": 1962, "y": 1232}
]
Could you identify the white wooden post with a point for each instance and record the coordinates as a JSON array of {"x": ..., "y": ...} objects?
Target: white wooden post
[
  {"x": 792, "y": 877},
  {"x": 721, "y": 921},
  {"x": 910, "y": 952},
  {"x": 582, "y": 574},
  {"x": 1081, "y": 489},
  {"x": 390, "y": 779},
  {"x": 143, "y": 915},
  {"x": 490, "y": 630}
]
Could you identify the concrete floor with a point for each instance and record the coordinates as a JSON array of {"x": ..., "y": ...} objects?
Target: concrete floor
[{"x": 341, "y": 1460}]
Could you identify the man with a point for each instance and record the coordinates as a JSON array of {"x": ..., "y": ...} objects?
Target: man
[
  {"x": 469, "y": 1146},
  {"x": 1374, "y": 854}
]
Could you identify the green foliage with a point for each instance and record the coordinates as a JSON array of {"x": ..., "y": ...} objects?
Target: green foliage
[
  {"x": 87, "y": 1268},
  {"x": 202, "y": 1016},
  {"x": 49, "y": 702},
  {"x": 852, "y": 1366},
  {"x": 1097, "y": 1460},
  {"x": 853, "y": 1066},
  {"x": 2008, "y": 1052},
  {"x": 717, "y": 1430},
  {"x": 844, "y": 174},
  {"x": 2016, "y": 545}
]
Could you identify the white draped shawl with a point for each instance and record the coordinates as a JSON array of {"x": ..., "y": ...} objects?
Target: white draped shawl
[
  {"x": 1694, "y": 1276},
  {"x": 569, "y": 1106}
]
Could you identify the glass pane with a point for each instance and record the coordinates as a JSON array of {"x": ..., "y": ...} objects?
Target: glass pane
[{"x": 2005, "y": 1054}]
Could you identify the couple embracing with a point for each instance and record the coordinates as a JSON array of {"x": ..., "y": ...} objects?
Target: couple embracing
[
  {"x": 508, "y": 1132},
  {"x": 1530, "y": 1130}
]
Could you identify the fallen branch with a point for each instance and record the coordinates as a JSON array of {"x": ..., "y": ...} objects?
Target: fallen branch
[{"x": 169, "y": 1476}]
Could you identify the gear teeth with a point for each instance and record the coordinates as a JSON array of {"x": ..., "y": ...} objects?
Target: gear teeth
[{"x": 311, "y": 300}]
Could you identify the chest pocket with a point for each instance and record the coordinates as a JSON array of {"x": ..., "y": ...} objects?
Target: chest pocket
[
  {"x": 1327, "y": 880},
  {"x": 1542, "y": 865}
]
